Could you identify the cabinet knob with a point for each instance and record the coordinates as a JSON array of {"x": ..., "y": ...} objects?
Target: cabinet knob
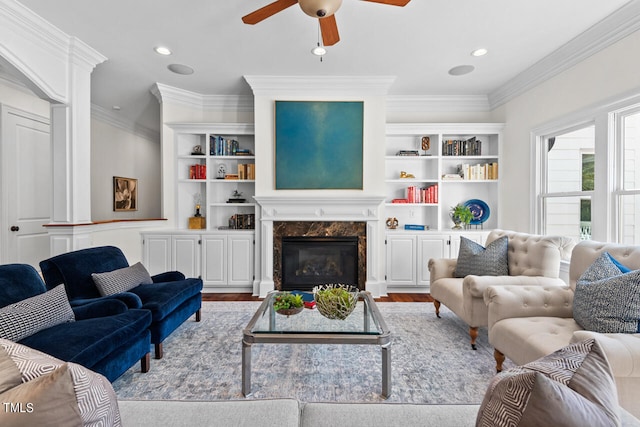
[{"x": 15, "y": 228}]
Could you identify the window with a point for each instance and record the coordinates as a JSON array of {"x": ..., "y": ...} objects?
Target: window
[
  {"x": 628, "y": 193},
  {"x": 566, "y": 200},
  {"x": 587, "y": 174}
]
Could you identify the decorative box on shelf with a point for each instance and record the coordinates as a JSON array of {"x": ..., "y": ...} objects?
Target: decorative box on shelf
[{"x": 197, "y": 223}]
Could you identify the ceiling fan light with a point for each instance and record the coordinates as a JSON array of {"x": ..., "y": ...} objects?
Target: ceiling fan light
[
  {"x": 319, "y": 8},
  {"x": 319, "y": 50}
]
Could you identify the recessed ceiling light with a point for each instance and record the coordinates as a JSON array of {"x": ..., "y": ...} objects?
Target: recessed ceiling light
[
  {"x": 461, "y": 70},
  {"x": 180, "y": 69},
  {"x": 162, "y": 50},
  {"x": 479, "y": 52}
]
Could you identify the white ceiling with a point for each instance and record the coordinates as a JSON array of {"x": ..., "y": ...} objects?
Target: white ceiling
[{"x": 418, "y": 43}]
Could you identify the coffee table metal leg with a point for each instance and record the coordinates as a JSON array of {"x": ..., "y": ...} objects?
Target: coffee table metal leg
[
  {"x": 386, "y": 371},
  {"x": 246, "y": 369}
]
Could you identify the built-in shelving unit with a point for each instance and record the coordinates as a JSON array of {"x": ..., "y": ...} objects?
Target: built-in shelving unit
[
  {"x": 222, "y": 256},
  {"x": 433, "y": 167},
  {"x": 227, "y": 151},
  {"x": 435, "y": 164}
]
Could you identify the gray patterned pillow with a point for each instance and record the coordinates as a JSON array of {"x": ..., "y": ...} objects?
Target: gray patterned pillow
[
  {"x": 34, "y": 314},
  {"x": 475, "y": 259},
  {"x": 121, "y": 280},
  {"x": 607, "y": 300},
  {"x": 573, "y": 386}
]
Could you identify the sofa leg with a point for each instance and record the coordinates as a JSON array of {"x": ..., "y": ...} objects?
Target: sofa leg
[
  {"x": 499, "y": 359},
  {"x": 473, "y": 333},
  {"x": 198, "y": 315},
  {"x": 145, "y": 363},
  {"x": 436, "y": 304},
  {"x": 159, "y": 351}
]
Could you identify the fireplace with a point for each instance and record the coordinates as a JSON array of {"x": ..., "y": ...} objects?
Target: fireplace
[{"x": 311, "y": 261}]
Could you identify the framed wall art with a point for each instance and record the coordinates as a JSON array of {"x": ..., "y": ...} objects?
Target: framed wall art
[
  {"x": 125, "y": 194},
  {"x": 319, "y": 145}
]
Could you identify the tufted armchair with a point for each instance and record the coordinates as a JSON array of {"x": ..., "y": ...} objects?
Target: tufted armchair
[
  {"x": 526, "y": 323},
  {"x": 533, "y": 261},
  {"x": 171, "y": 297}
]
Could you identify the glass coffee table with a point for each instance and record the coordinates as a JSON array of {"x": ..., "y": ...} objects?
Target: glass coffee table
[{"x": 364, "y": 326}]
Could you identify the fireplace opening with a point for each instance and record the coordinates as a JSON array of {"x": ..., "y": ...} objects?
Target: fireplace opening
[{"x": 311, "y": 261}]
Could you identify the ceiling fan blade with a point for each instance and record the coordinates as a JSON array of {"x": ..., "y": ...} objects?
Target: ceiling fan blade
[
  {"x": 391, "y": 2},
  {"x": 267, "y": 11},
  {"x": 329, "y": 29}
]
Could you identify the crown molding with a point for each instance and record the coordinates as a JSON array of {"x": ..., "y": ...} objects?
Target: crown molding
[
  {"x": 234, "y": 103},
  {"x": 613, "y": 28},
  {"x": 320, "y": 85},
  {"x": 437, "y": 103},
  {"x": 110, "y": 118}
]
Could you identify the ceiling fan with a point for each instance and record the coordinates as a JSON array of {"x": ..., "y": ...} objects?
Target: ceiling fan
[{"x": 322, "y": 9}]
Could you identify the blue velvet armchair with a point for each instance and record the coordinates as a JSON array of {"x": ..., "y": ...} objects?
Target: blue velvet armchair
[
  {"x": 105, "y": 337},
  {"x": 171, "y": 297}
]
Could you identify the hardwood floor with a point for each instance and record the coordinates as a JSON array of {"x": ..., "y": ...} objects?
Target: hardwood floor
[{"x": 248, "y": 297}]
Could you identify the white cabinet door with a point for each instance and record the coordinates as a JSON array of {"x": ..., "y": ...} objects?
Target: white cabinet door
[
  {"x": 156, "y": 253},
  {"x": 214, "y": 256},
  {"x": 478, "y": 237},
  {"x": 401, "y": 260},
  {"x": 185, "y": 251},
  {"x": 430, "y": 246},
  {"x": 240, "y": 261}
]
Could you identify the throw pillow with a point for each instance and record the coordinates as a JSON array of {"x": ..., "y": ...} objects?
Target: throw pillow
[
  {"x": 573, "y": 386},
  {"x": 48, "y": 400},
  {"x": 475, "y": 259},
  {"x": 606, "y": 300},
  {"x": 94, "y": 394},
  {"x": 9, "y": 372},
  {"x": 623, "y": 268},
  {"x": 121, "y": 280},
  {"x": 26, "y": 317}
]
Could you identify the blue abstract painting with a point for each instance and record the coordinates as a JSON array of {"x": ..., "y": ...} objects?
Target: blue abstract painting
[{"x": 319, "y": 145}]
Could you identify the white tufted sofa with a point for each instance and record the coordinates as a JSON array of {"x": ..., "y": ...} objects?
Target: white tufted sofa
[
  {"x": 526, "y": 323},
  {"x": 533, "y": 261}
]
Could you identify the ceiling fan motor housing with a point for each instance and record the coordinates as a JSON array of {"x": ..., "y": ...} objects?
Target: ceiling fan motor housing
[{"x": 319, "y": 8}]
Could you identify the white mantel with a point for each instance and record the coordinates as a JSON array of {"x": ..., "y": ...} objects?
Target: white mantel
[{"x": 285, "y": 208}]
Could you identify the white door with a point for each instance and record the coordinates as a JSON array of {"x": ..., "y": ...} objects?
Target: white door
[
  {"x": 214, "y": 258},
  {"x": 26, "y": 186},
  {"x": 157, "y": 253},
  {"x": 241, "y": 260},
  {"x": 185, "y": 252},
  {"x": 430, "y": 246},
  {"x": 401, "y": 260}
]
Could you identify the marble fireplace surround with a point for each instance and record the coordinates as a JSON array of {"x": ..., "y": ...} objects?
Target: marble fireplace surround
[
  {"x": 315, "y": 216},
  {"x": 319, "y": 229}
]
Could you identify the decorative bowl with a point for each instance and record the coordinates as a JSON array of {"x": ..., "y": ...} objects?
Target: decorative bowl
[
  {"x": 290, "y": 311},
  {"x": 335, "y": 301},
  {"x": 288, "y": 304}
]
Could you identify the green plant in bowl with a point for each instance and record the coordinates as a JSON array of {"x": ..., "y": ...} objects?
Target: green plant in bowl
[
  {"x": 335, "y": 301},
  {"x": 287, "y": 303}
]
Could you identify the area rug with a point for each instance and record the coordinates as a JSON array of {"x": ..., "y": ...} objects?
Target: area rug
[{"x": 432, "y": 362}]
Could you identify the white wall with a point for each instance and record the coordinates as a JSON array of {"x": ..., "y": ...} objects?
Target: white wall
[
  {"x": 12, "y": 95},
  {"x": 117, "y": 152},
  {"x": 608, "y": 73}
]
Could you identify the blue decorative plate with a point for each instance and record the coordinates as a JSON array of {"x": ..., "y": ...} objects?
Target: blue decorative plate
[{"x": 479, "y": 209}]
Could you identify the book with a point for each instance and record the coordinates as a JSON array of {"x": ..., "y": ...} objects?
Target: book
[
  {"x": 408, "y": 153},
  {"x": 414, "y": 227}
]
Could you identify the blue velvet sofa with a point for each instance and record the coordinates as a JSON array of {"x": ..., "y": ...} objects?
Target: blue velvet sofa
[
  {"x": 105, "y": 337},
  {"x": 171, "y": 297}
]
